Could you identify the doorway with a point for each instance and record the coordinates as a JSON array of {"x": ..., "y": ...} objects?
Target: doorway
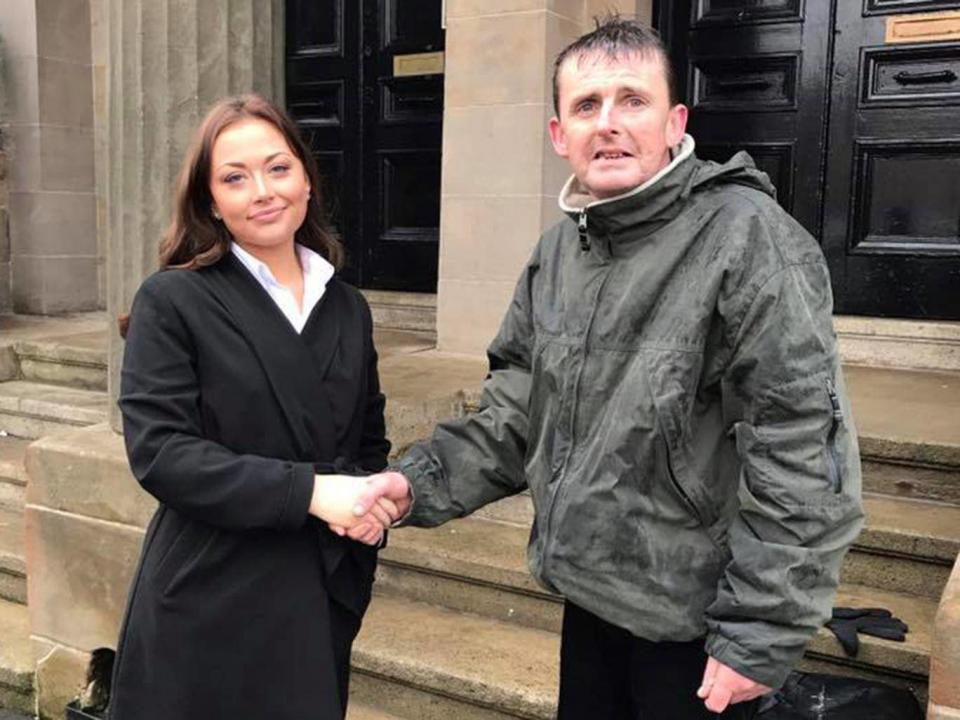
[{"x": 364, "y": 82}]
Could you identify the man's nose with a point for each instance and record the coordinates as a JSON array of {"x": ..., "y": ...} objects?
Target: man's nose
[{"x": 607, "y": 119}]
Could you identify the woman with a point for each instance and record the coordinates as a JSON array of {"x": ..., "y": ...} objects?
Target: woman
[{"x": 249, "y": 385}]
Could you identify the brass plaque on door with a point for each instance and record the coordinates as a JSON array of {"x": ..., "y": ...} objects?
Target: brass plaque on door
[
  {"x": 924, "y": 27},
  {"x": 430, "y": 63}
]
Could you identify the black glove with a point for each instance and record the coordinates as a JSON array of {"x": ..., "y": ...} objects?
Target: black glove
[{"x": 847, "y": 622}]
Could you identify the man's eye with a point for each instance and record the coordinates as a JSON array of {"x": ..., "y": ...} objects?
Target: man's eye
[
  {"x": 585, "y": 107},
  {"x": 636, "y": 102}
]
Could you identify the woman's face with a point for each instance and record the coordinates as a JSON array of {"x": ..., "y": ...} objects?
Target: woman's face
[{"x": 258, "y": 184}]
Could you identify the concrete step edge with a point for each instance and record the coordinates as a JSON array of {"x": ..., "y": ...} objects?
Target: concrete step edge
[
  {"x": 72, "y": 406},
  {"x": 15, "y": 565},
  {"x": 465, "y": 657},
  {"x": 60, "y": 353},
  {"x": 13, "y": 452},
  {"x": 910, "y": 453},
  {"x": 919, "y": 530},
  {"x": 16, "y": 657}
]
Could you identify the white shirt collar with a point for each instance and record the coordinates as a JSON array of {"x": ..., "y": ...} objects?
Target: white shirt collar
[{"x": 317, "y": 272}]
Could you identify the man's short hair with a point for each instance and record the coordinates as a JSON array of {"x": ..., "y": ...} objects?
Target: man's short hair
[{"x": 616, "y": 37}]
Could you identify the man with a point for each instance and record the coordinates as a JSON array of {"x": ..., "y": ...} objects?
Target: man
[{"x": 666, "y": 383}]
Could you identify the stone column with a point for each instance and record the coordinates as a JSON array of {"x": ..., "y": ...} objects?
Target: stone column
[
  {"x": 49, "y": 139},
  {"x": 169, "y": 61},
  {"x": 500, "y": 174}
]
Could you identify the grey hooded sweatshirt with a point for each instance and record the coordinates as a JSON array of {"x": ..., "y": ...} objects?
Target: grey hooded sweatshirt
[{"x": 666, "y": 382}]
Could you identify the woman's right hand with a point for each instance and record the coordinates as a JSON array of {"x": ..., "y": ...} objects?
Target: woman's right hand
[{"x": 335, "y": 500}]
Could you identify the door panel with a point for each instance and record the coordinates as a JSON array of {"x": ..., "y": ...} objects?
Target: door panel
[
  {"x": 377, "y": 137},
  {"x": 891, "y": 228},
  {"x": 860, "y": 136},
  {"x": 753, "y": 73},
  {"x": 402, "y": 146}
]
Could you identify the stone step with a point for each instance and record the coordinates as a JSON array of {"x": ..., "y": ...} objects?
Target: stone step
[
  {"x": 421, "y": 661},
  {"x": 907, "y": 546},
  {"x": 31, "y": 410},
  {"x": 77, "y": 360},
  {"x": 479, "y": 566},
  {"x": 16, "y": 659},
  {"x": 418, "y": 660},
  {"x": 909, "y": 428},
  {"x": 403, "y": 310},
  {"x": 13, "y": 474},
  {"x": 13, "y": 566}
]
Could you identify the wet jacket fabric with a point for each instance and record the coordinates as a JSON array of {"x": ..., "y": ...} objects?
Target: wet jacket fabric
[
  {"x": 666, "y": 382},
  {"x": 243, "y": 605}
]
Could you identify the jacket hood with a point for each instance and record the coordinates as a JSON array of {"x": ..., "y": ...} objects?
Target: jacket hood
[{"x": 653, "y": 204}]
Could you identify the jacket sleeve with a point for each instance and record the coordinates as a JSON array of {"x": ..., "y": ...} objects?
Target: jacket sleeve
[
  {"x": 477, "y": 459},
  {"x": 162, "y": 427},
  {"x": 799, "y": 488}
]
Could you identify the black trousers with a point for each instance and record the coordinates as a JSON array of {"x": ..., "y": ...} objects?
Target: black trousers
[{"x": 608, "y": 674}]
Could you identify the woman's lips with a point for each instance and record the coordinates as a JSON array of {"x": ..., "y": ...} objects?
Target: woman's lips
[{"x": 266, "y": 215}]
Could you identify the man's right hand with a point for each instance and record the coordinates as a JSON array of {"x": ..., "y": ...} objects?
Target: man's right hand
[{"x": 391, "y": 486}]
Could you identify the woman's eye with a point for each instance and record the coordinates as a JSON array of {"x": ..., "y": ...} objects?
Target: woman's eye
[
  {"x": 233, "y": 178},
  {"x": 280, "y": 168}
]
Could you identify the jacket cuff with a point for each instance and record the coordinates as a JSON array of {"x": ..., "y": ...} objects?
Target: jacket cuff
[
  {"x": 294, "y": 512},
  {"x": 749, "y": 663},
  {"x": 421, "y": 472}
]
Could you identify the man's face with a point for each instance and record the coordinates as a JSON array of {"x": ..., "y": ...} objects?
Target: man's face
[{"x": 616, "y": 124}]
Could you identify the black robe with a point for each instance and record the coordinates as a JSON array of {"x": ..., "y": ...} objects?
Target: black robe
[{"x": 243, "y": 605}]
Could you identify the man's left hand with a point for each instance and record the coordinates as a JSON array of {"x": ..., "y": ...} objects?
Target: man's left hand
[{"x": 723, "y": 686}]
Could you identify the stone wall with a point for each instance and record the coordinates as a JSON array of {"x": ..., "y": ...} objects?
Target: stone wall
[
  {"x": 5, "y": 304},
  {"x": 48, "y": 127},
  {"x": 5, "y": 299}
]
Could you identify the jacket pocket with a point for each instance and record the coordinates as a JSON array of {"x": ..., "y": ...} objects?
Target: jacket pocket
[
  {"x": 187, "y": 547},
  {"x": 698, "y": 509},
  {"x": 831, "y": 456}
]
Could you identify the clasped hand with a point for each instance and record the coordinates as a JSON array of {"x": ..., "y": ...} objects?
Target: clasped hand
[{"x": 360, "y": 507}]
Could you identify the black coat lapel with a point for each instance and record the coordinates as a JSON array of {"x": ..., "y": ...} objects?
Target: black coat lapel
[{"x": 295, "y": 372}]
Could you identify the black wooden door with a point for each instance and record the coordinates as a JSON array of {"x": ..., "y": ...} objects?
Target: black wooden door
[
  {"x": 891, "y": 229},
  {"x": 376, "y": 134},
  {"x": 753, "y": 73},
  {"x": 860, "y": 137}
]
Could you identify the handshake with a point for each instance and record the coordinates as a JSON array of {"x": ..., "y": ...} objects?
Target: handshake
[{"x": 360, "y": 508}]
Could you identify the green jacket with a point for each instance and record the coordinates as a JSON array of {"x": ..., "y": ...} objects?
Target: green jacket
[{"x": 666, "y": 382}]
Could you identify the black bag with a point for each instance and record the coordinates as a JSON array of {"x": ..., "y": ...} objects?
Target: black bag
[{"x": 808, "y": 696}]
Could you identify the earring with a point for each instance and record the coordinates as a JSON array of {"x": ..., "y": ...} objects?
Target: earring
[{"x": 216, "y": 214}]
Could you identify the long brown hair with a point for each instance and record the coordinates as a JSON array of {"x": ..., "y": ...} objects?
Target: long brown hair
[{"x": 195, "y": 239}]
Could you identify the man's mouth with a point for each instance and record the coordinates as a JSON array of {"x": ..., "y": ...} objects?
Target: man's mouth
[{"x": 611, "y": 155}]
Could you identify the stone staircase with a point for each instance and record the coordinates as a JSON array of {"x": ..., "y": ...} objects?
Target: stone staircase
[
  {"x": 52, "y": 379},
  {"x": 459, "y": 629}
]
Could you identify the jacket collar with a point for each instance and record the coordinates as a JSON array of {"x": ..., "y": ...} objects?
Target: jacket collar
[{"x": 640, "y": 210}]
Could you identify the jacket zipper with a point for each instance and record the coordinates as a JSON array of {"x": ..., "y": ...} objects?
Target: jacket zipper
[
  {"x": 582, "y": 226},
  {"x": 833, "y": 462},
  {"x": 582, "y": 231}
]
